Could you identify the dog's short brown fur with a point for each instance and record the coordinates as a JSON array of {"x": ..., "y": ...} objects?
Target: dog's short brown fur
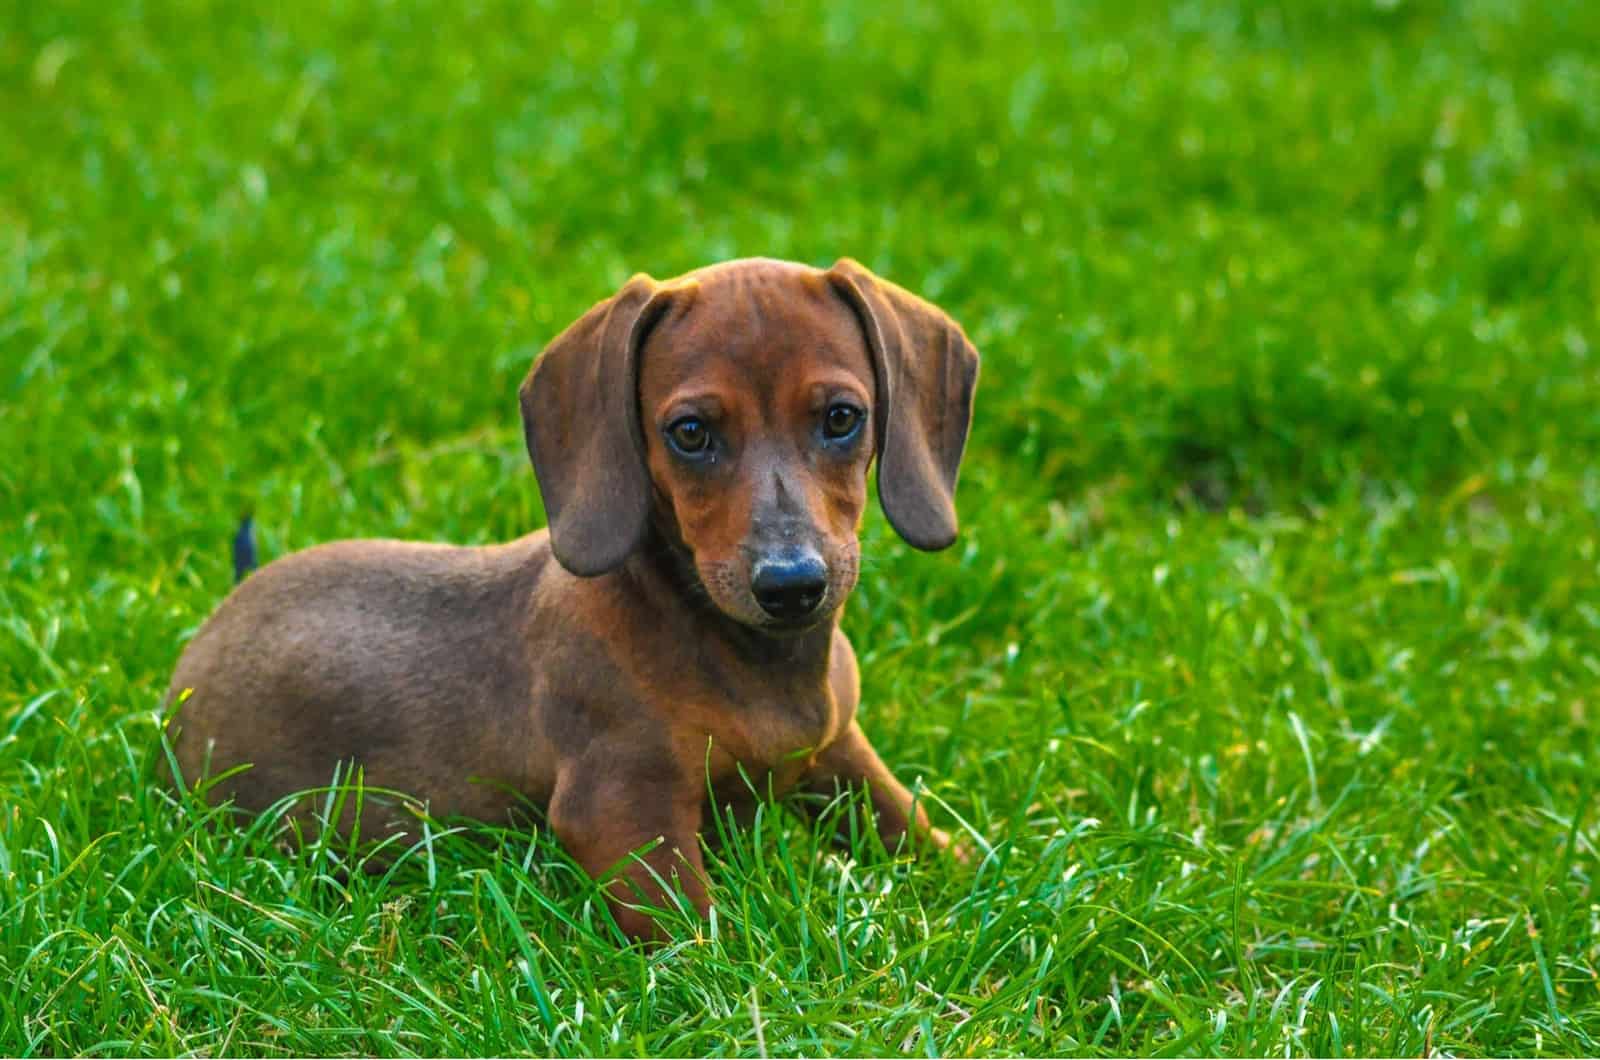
[{"x": 612, "y": 667}]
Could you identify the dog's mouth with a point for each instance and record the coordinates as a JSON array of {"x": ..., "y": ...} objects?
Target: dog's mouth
[{"x": 794, "y": 625}]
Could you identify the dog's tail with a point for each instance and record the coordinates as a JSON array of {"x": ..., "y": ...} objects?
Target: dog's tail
[{"x": 244, "y": 549}]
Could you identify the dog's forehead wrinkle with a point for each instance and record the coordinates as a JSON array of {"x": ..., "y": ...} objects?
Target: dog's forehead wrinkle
[
  {"x": 764, "y": 366},
  {"x": 761, "y": 300}
]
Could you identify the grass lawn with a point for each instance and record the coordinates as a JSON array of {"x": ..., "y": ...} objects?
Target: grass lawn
[{"x": 1265, "y": 678}]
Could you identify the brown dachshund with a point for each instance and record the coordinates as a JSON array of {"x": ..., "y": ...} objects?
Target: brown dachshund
[{"x": 702, "y": 447}]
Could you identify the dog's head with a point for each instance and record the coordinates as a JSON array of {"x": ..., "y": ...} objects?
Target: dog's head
[{"x": 738, "y": 408}]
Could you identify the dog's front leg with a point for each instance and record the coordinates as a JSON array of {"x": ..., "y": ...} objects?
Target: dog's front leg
[
  {"x": 850, "y": 762},
  {"x": 602, "y": 815}
]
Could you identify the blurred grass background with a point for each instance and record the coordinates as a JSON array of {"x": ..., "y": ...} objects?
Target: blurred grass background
[{"x": 1267, "y": 665}]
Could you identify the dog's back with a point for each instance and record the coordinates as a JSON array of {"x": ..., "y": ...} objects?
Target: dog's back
[{"x": 340, "y": 647}]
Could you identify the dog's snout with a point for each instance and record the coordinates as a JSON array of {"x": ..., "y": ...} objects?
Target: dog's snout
[{"x": 791, "y": 588}]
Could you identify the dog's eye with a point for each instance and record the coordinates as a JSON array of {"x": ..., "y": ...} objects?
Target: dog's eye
[
  {"x": 689, "y": 436},
  {"x": 840, "y": 422}
]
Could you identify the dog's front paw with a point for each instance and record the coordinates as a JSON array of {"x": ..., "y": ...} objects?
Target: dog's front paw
[
  {"x": 936, "y": 842},
  {"x": 960, "y": 850}
]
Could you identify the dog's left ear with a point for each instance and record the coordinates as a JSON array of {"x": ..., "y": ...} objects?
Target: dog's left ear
[{"x": 927, "y": 371}]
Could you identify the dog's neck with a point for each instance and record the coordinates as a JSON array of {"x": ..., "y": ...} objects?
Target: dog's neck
[{"x": 664, "y": 569}]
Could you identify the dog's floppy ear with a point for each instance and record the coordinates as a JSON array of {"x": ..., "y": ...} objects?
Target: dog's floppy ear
[
  {"x": 926, "y": 371},
  {"x": 581, "y": 418}
]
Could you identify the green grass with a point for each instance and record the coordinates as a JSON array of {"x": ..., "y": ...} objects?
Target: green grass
[{"x": 1266, "y": 672}]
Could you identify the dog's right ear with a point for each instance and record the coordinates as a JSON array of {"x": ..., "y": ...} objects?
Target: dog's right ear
[{"x": 581, "y": 418}]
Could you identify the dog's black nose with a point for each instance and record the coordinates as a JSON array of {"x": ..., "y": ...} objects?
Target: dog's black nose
[{"x": 790, "y": 589}]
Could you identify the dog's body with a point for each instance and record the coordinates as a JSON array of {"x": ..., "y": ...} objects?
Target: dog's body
[{"x": 678, "y": 624}]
